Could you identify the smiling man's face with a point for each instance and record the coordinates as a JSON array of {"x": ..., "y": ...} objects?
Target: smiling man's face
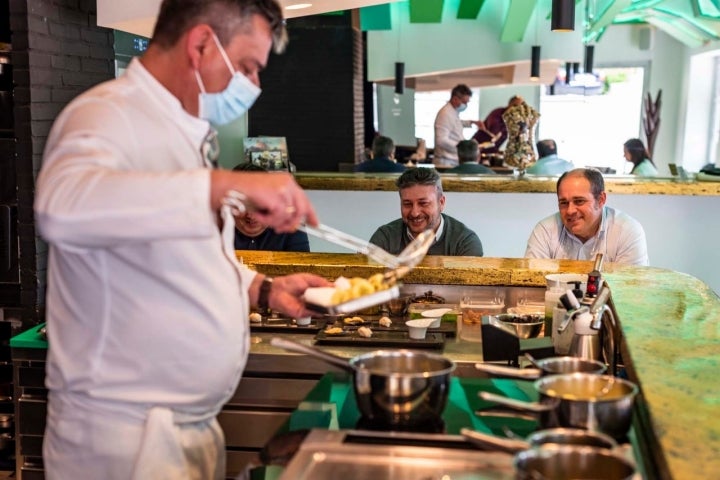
[
  {"x": 581, "y": 213},
  {"x": 420, "y": 207}
]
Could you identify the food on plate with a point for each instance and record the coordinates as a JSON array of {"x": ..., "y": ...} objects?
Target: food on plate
[
  {"x": 255, "y": 317},
  {"x": 353, "y": 321},
  {"x": 364, "y": 332},
  {"x": 347, "y": 289},
  {"x": 472, "y": 317},
  {"x": 334, "y": 331},
  {"x": 385, "y": 321}
]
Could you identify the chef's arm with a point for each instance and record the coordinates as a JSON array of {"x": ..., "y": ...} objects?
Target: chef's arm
[
  {"x": 284, "y": 294},
  {"x": 275, "y": 198}
]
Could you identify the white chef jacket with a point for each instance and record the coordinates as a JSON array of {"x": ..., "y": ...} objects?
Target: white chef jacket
[
  {"x": 448, "y": 132},
  {"x": 620, "y": 239},
  {"x": 145, "y": 305}
]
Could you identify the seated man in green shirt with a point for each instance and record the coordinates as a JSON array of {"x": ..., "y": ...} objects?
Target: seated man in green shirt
[{"x": 421, "y": 204}]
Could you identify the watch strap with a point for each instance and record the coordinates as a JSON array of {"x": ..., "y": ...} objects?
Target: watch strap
[{"x": 264, "y": 294}]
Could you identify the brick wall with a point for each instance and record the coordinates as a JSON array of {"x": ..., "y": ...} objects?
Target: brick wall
[
  {"x": 311, "y": 91},
  {"x": 57, "y": 52}
]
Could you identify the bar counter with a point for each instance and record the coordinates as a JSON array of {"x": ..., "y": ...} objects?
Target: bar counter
[
  {"x": 621, "y": 184},
  {"x": 671, "y": 327}
]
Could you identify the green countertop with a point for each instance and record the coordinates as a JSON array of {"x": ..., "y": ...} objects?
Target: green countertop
[{"x": 671, "y": 322}]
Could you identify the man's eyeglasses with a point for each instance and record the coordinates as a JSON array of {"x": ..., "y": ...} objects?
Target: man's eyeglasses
[{"x": 210, "y": 148}]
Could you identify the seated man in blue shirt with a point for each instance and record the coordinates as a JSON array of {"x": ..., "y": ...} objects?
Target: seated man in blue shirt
[
  {"x": 469, "y": 157},
  {"x": 253, "y": 235},
  {"x": 585, "y": 226},
  {"x": 549, "y": 163},
  {"x": 421, "y": 204},
  {"x": 383, "y": 158}
]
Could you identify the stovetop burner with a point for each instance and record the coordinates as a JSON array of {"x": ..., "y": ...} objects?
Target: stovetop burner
[{"x": 430, "y": 426}]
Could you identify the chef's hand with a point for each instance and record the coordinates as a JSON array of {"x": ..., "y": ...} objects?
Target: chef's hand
[
  {"x": 274, "y": 198},
  {"x": 286, "y": 292}
]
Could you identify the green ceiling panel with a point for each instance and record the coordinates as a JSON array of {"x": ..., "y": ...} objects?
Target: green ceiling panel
[
  {"x": 376, "y": 17},
  {"x": 470, "y": 9},
  {"x": 708, "y": 8},
  {"x": 604, "y": 19},
  {"x": 516, "y": 22},
  {"x": 426, "y": 11}
]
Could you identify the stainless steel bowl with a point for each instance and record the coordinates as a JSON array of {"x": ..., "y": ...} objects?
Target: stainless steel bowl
[{"x": 526, "y": 326}]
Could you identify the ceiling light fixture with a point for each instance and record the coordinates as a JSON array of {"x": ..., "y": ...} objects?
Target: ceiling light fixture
[
  {"x": 563, "y": 16},
  {"x": 568, "y": 72},
  {"x": 298, "y": 6},
  {"x": 535, "y": 63},
  {"x": 399, "y": 77},
  {"x": 589, "y": 54}
]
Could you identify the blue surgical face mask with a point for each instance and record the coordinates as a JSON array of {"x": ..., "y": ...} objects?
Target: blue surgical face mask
[
  {"x": 230, "y": 104},
  {"x": 461, "y": 107}
]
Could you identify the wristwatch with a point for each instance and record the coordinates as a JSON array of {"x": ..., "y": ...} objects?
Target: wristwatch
[{"x": 264, "y": 295}]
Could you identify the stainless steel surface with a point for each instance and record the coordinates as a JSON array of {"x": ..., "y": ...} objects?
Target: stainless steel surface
[
  {"x": 586, "y": 346},
  {"x": 578, "y": 400},
  {"x": 546, "y": 366},
  {"x": 397, "y": 388},
  {"x": 343, "y": 454},
  {"x": 556, "y": 436},
  {"x": 572, "y": 462}
]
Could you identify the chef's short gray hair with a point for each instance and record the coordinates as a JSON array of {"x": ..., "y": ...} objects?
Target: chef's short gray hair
[{"x": 226, "y": 17}]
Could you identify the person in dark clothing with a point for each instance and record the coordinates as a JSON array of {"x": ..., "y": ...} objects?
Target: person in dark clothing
[
  {"x": 469, "y": 158},
  {"x": 421, "y": 204},
  {"x": 494, "y": 130},
  {"x": 383, "y": 158},
  {"x": 253, "y": 235}
]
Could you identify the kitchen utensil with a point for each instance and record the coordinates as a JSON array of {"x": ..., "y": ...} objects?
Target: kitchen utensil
[
  {"x": 399, "y": 265},
  {"x": 579, "y": 400},
  {"x": 558, "y": 436},
  {"x": 546, "y": 366},
  {"x": 396, "y": 388},
  {"x": 552, "y": 462}
]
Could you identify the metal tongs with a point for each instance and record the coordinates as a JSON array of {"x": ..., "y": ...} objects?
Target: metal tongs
[{"x": 398, "y": 266}]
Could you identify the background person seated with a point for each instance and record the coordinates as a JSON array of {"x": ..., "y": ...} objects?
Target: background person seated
[
  {"x": 585, "y": 226},
  {"x": 383, "y": 158},
  {"x": 421, "y": 204},
  {"x": 253, "y": 235},
  {"x": 548, "y": 161},
  {"x": 469, "y": 157},
  {"x": 636, "y": 153}
]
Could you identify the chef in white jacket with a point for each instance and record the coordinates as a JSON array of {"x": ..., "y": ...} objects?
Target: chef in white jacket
[{"x": 146, "y": 306}]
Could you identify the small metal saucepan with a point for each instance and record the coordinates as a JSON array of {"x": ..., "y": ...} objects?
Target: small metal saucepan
[
  {"x": 546, "y": 366},
  {"x": 551, "y": 462},
  {"x": 580, "y": 400},
  {"x": 554, "y": 436},
  {"x": 396, "y": 388}
]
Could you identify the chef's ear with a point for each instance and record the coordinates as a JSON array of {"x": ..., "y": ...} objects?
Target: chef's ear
[{"x": 197, "y": 41}]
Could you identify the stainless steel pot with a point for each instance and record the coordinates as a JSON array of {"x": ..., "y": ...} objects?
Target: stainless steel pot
[
  {"x": 546, "y": 366},
  {"x": 559, "y": 462},
  {"x": 580, "y": 400},
  {"x": 397, "y": 388},
  {"x": 550, "y": 436}
]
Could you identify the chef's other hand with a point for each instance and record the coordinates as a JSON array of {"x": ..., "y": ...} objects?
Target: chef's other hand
[
  {"x": 286, "y": 292},
  {"x": 275, "y": 198}
]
